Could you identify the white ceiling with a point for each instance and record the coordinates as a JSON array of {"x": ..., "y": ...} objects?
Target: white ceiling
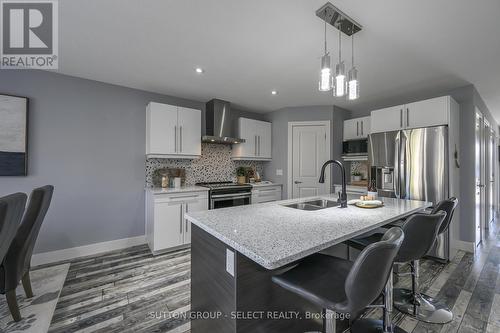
[{"x": 248, "y": 48}]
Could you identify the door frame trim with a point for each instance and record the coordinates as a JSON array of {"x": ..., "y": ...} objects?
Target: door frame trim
[{"x": 291, "y": 124}]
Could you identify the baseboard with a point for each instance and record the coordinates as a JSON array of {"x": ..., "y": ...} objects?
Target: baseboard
[
  {"x": 86, "y": 250},
  {"x": 464, "y": 246}
]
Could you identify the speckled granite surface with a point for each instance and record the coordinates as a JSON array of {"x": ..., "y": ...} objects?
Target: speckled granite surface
[
  {"x": 273, "y": 235},
  {"x": 159, "y": 190}
]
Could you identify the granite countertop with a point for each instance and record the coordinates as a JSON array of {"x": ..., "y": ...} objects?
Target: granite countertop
[
  {"x": 273, "y": 235},
  {"x": 265, "y": 184},
  {"x": 159, "y": 190}
]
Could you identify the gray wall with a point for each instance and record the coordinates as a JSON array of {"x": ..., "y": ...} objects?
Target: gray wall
[
  {"x": 88, "y": 139},
  {"x": 280, "y": 119},
  {"x": 468, "y": 98}
]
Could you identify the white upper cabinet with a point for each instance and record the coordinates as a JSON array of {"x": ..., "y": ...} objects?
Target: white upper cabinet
[
  {"x": 388, "y": 119},
  {"x": 431, "y": 112},
  {"x": 172, "y": 131},
  {"x": 189, "y": 121},
  {"x": 357, "y": 128},
  {"x": 258, "y": 140},
  {"x": 426, "y": 113}
]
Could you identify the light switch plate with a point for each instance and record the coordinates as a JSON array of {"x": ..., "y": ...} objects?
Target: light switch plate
[
  {"x": 230, "y": 262},
  {"x": 279, "y": 172}
]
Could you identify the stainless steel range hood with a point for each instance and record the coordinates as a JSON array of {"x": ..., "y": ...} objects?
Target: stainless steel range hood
[{"x": 218, "y": 123}]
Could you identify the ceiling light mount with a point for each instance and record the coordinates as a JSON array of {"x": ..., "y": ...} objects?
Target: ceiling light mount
[{"x": 338, "y": 19}]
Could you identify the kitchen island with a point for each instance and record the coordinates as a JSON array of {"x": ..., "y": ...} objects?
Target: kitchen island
[{"x": 235, "y": 252}]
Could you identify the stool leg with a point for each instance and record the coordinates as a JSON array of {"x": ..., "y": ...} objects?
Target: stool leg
[
  {"x": 12, "y": 303},
  {"x": 27, "y": 285},
  {"x": 368, "y": 325},
  {"x": 387, "y": 320},
  {"x": 418, "y": 305},
  {"x": 329, "y": 321}
]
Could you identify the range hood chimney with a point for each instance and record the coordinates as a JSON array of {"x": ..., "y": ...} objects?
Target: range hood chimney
[{"x": 218, "y": 123}]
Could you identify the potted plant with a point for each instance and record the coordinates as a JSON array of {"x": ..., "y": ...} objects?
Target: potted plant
[
  {"x": 356, "y": 176},
  {"x": 241, "y": 174}
]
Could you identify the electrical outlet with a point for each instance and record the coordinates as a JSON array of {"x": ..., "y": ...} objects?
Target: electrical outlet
[
  {"x": 230, "y": 262},
  {"x": 279, "y": 172}
]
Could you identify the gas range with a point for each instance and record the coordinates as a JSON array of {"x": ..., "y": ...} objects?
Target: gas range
[
  {"x": 227, "y": 194},
  {"x": 223, "y": 185}
]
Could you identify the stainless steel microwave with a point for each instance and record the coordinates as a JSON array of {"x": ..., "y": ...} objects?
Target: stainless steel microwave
[{"x": 355, "y": 150}]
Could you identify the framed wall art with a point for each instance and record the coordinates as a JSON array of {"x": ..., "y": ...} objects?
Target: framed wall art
[{"x": 13, "y": 135}]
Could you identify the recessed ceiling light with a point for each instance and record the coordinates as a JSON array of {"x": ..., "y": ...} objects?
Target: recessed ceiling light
[
  {"x": 274, "y": 92},
  {"x": 199, "y": 70}
]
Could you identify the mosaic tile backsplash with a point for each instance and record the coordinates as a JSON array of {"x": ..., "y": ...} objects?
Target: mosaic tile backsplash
[{"x": 215, "y": 165}]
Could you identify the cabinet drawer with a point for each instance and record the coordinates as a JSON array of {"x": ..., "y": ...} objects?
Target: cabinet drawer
[{"x": 180, "y": 197}]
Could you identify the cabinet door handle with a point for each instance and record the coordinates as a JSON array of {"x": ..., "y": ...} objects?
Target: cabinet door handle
[
  {"x": 259, "y": 145},
  {"x": 175, "y": 138},
  {"x": 255, "y": 148},
  {"x": 180, "y": 139},
  {"x": 181, "y": 207},
  {"x": 407, "y": 117},
  {"x": 185, "y": 218},
  {"x": 357, "y": 128},
  {"x": 401, "y": 118},
  {"x": 362, "y": 128}
]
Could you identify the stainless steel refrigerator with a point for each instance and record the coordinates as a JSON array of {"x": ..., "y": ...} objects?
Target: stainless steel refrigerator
[{"x": 415, "y": 162}]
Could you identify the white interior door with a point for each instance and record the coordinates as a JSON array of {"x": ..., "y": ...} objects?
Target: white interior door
[
  {"x": 479, "y": 179},
  {"x": 491, "y": 176},
  {"x": 309, "y": 147},
  {"x": 487, "y": 172}
]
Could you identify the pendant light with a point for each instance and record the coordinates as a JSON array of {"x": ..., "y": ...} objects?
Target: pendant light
[
  {"x": 353, "y": 83},
  {"x": 339, "y": 88},
  {"x": 325, "y": 74}
]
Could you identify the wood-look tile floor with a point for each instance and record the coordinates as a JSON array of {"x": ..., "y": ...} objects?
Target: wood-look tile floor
[{"x": 120, "y": 291}]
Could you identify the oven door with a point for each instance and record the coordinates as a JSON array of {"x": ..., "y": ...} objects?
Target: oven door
[{"x": 229, "y": 200}]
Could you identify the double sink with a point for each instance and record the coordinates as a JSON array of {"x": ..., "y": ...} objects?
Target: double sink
[{"x": 316, "y": 204}]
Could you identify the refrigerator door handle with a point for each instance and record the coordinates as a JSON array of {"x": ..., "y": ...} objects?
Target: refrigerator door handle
[
  {"x": 397, "y": 165},
  {"x": 403, "y": 178}
]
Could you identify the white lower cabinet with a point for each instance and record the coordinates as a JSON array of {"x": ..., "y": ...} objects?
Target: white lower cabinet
[
  {"x": 261, "y": 194},
  {"x": 166, "y": 225}
]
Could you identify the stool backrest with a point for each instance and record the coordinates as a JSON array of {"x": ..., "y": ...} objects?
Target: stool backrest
[
  {"x": 447, "y": 206},
  {"x": 421, "y": 231},
  {"x": 372, "y": 268},
  {"x": 11, "y": 211},
  {"x": 18, "y": 259}
]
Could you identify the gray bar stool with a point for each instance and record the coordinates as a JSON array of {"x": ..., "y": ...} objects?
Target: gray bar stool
[
  {"x": 16, "y": 264},
  {"x": 340, "y": 286},
  {"x": 421, "y": 231},
  {"x": 11, "y": 212},
  {"x": 414, "y": 303}
]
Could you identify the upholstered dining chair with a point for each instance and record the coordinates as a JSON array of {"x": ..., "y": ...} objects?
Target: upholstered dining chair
[
  {"x": 11, "y": 211},
  {"x": 16, "y": 264}
]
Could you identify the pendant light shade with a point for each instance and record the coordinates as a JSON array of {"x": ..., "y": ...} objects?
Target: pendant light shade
[
  {"x": 353, "y": 83},
  {"x": 339, "y": 88},
  {"x": 325, "y": 73},
  {"x": 340, "y": 80}
]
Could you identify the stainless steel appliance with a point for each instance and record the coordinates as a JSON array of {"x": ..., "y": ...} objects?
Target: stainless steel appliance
[
  {"x": 227, "y": 194},
  {"x": 218, "y": 126},
  {"x": 418, "y": 160},
  {"x": 355, "y": 150}
]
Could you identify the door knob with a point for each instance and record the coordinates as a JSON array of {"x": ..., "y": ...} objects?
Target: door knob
[{"x": 297, "y": 182}]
